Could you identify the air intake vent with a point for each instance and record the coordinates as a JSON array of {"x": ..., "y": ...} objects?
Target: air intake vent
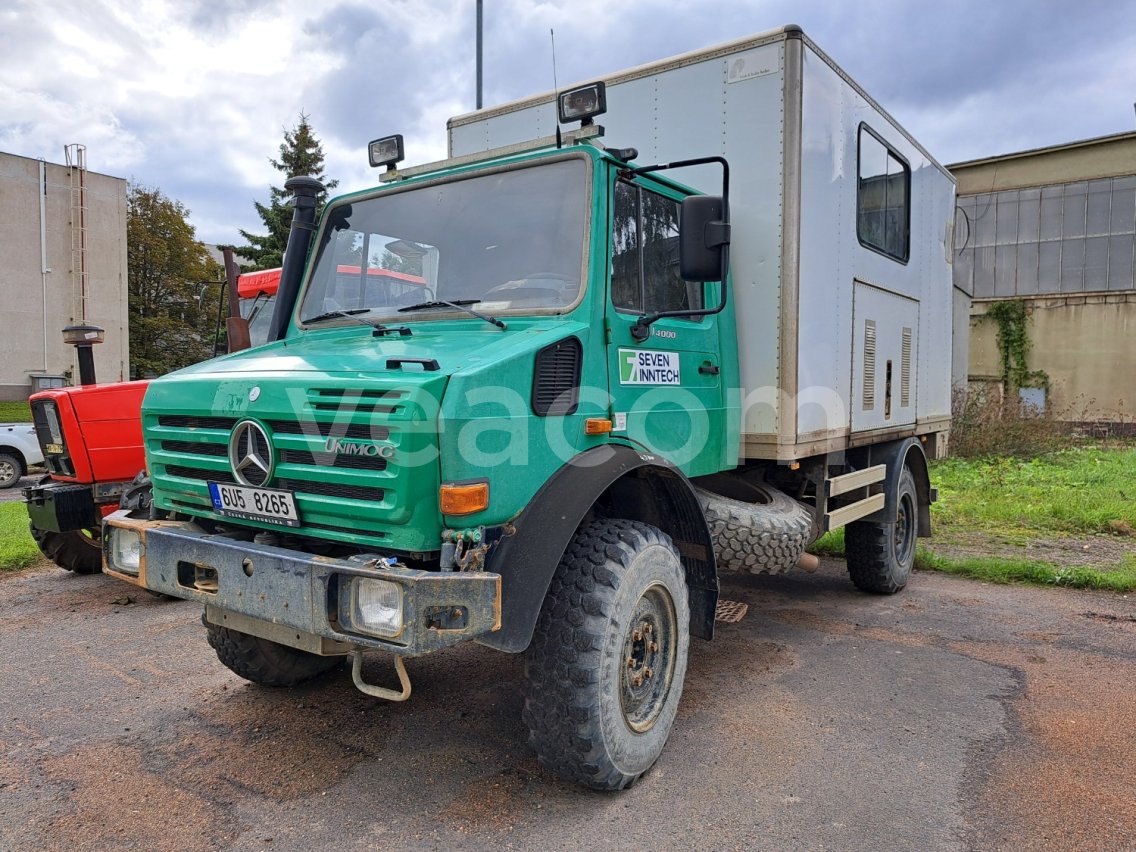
[
  {"x": 556, "y": 378},
  {"x": 905, "y": 370},
  {"x": 869, "y": 364}
]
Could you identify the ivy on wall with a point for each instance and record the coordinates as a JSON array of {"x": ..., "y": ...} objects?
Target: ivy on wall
[{"x": 1011, "y": 318}]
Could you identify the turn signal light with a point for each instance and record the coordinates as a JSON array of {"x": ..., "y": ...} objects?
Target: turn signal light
[
  {"x": 597, "y": 426},
  {"x": 464, "y": 499}
]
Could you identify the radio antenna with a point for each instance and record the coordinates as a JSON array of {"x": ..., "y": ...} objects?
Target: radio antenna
[{"x": 555, "y": 86}]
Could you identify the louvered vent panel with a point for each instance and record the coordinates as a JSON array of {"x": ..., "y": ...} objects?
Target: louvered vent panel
[
  {"x": 905, "y": 370},
  {"x": 556, "y": 378},
  {"x": 869, "y": 364}
]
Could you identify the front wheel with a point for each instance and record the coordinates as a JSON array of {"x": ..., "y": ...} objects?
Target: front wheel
[
  {"x": 606, "y": 666},
  {"x": 881, "y": 556},
  {"x": 75, "y": 550},
  {"x": 266, "y": 662}
]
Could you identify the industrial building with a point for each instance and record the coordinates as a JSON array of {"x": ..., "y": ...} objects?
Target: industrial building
[
  {"x": 1056, "y": 228},
  {"x": 63, "y": 244}
]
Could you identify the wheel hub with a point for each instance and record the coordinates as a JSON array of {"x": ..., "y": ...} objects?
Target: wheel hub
[{"x": 648, "y": 659}]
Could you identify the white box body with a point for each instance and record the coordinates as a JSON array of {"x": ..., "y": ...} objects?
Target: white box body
[{"x": 807, "y": 292}]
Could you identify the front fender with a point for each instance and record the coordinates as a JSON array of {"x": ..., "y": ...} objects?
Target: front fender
[{"x": 624, "y": 483}]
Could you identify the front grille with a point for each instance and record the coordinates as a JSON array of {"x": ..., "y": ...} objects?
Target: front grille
[
  {"x": 335, "y": 460},
  {"x": 300, "y": 486},
  {"x": 330, "y": 489},
  {"x": 196, "y": 421},
  {"x": 45, "y": 414},
  {"x": 353, "y": 431},
  {"x": 201, "y": 473},
  {"x": 196, "y": 448}
]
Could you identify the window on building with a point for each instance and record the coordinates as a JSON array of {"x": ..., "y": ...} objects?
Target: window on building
[
  {"x": 645, "y": 273},
  {"x": 1077, "y": 237},
  {"x": 883, "y": 212}
]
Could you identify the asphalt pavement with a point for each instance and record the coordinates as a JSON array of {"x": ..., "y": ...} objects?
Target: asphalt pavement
[{"x": 955, "y": 715}]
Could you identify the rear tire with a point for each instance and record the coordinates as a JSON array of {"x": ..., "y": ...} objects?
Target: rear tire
[
  {"x": 75, "y": 550},
  {"x": 605, "y": 669},
  {"x": 265, "y": 662},
  {"x": 881, "y": 556},
  {"x": 11, "y": 469}
]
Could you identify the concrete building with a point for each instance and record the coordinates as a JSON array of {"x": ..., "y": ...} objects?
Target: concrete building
[
  {"x": 1056, "y": 227},
  {"x": 63, "y": 251}
]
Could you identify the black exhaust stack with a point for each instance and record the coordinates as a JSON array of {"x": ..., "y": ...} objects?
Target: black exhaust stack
[{"x": 305, "y": 198}]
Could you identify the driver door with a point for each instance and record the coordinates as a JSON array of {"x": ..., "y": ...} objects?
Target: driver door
[{"x": 667, "y": 393}]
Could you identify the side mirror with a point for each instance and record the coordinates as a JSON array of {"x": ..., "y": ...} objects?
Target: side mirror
[{"x": 704, "y": 234}]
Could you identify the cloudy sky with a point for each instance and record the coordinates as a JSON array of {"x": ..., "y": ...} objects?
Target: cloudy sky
[{"x": 192, "y": 97}]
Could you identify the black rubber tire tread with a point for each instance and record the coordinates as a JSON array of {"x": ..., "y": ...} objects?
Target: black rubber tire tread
[
  {"x": 576, "y": 730},
  {"x": 69, "y": 550},
  {"x": 761, "y": 538},
  {"x": 265, "y": 662},
  {"x": 17, "y": 468},
  {"x": 869, "y": 547}
]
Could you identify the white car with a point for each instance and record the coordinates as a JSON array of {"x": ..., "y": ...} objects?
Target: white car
[{"x": 19, "y": 448}]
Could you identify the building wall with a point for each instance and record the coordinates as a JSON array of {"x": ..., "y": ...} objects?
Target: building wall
[
  {"x": 35, "y": 307},
  {"x": 1083, "y": 343},
  {"x": 1057, "y": 228}
]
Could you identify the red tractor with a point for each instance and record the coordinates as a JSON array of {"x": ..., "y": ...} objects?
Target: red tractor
[{"x": 91, "y": 438}]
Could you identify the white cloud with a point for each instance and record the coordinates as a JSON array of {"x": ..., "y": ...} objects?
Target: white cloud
[{"x": 192, "y": 97}]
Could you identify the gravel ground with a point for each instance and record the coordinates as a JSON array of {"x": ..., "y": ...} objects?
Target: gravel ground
[{"x": 956, "y": 715}]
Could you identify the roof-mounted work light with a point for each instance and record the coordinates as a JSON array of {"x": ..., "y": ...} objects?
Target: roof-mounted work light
[
  {"x": 386, "y": 151},
  {"x": 582, "y": 104}
]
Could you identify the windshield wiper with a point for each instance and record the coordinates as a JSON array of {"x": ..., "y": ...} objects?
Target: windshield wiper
[
  {"x": 460, "y": 304},
  {"x": 351, "y": 312}
]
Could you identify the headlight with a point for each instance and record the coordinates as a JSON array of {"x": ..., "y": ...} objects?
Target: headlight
[
  {"x": 126, "y": 550},
  {"x": 376, "y": 607}
]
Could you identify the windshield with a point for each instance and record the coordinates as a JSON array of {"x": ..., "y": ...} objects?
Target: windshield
[
  {"x": 509, "y": 241},
  {"x": 258, "y": 312}
]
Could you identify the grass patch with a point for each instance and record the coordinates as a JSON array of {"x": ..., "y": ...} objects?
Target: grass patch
[
  {"x": 1078, "y": 491},
  {"x": 15, "y": 412},
  {"x": 17, "y": 547},
  {"x": 996, "y": 570}
]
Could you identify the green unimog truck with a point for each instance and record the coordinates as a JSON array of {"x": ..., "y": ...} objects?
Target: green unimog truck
[{"x": 514, "y": 398}]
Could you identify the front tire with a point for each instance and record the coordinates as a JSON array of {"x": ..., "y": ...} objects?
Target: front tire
[
  {"x": 881, "y": 556},
  {"x": 265, "y": 662},
  {"x": 75, "y": 550},
  {"x": 605, "y": 670}
]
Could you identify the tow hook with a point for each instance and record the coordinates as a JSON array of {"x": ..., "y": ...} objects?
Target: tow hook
[{"x": 380, "y": 691}]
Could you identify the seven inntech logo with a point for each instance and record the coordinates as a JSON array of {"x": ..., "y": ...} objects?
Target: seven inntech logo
[{"x": 648, "y": 367}]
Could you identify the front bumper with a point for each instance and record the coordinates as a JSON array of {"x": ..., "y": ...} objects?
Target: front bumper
[{"x": 308, "y": 595}]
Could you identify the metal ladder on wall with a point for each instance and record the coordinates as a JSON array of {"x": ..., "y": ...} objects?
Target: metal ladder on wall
[{"x": 76, "y": 155}]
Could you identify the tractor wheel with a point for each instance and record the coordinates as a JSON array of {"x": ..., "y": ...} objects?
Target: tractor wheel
[{"x": 75, "y": 550}]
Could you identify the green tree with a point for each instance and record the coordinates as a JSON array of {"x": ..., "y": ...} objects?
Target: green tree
[
  {"x": 300, "y": 154},
  {"x": 174, "y": 285}
]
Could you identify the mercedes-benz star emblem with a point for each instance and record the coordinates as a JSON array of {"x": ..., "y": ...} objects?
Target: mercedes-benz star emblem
[{"x": 250, "y": 453}]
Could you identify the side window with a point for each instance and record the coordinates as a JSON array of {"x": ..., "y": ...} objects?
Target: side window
[
  {"x": 883, "y": 198},
  {"x": 645, "y": 274}
]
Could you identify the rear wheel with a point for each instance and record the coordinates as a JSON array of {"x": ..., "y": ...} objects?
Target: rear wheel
[
  {"x": 606, "y": 666},
  {"x": 265, "y": 662},
  {"x": 881, "y": 556},
  {"x": 11, "y": 469},
  {"x": 75, "y": 550}
]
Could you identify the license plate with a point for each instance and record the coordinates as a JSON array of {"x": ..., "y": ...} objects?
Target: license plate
[
  {"x": 255, "y": 504},
  {"x": 54, "y": 449}
]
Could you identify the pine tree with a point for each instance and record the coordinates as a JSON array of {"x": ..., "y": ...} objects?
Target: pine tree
[{"x": 300, "y": 154}]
